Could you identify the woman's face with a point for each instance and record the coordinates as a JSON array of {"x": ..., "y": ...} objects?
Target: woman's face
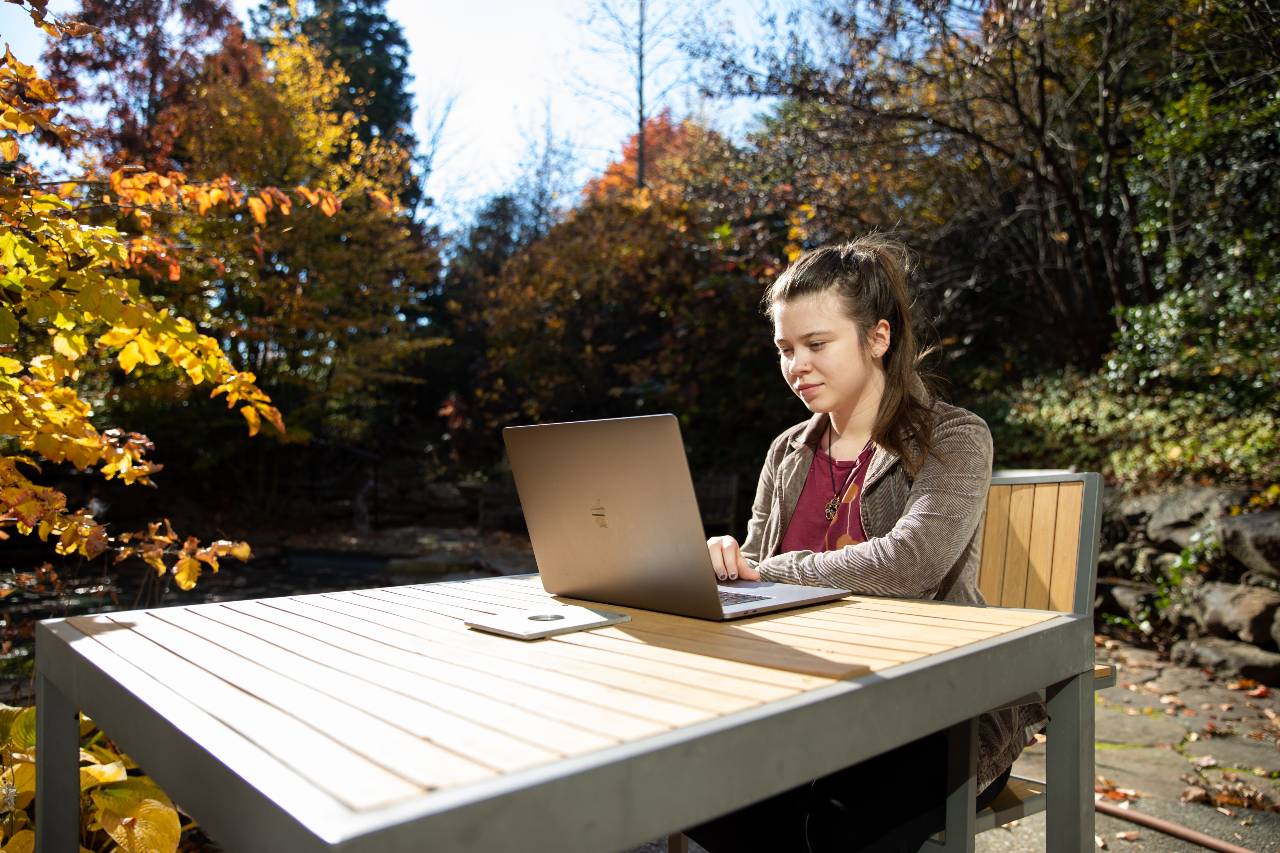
[{"x": 821, "y": 351}]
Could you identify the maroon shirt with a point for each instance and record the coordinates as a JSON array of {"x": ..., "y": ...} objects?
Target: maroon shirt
[{"x": 809, "y": 529}]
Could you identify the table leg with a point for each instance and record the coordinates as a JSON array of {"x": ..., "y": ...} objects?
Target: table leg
[
  {"x": 57, "y": 770},
  {"x": 1070, "y": 765},
  {"x": 678, "y": 843},
  {"x": 962, "y": 786}
]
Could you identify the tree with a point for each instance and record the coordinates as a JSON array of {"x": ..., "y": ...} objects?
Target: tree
[
  {"x": 631, "y": 303},
  {"x": 73, "y": 308},
  {"x": 645, "y": 33},
  {"x": 371, "y": 49},
  {"x": 1024, "y": 115},
  {"x": 322, "y": 307},
  {"x": 141, "y": 58}
]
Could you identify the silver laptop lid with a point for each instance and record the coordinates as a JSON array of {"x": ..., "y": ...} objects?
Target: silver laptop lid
[{"x": 612, "y": 515}]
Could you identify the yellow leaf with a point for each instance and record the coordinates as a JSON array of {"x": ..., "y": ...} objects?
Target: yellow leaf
[
  {"x": 146, "y": 347},
  {"x": 259, "y": 210},
  {"x": 241, "y": 551},
  {"x": 186, "y": 572},
  {"x": 22, "y": 776},
  {"x": 130, "y": 356},
  {"x": 9, "y": 148},
  {"x": 22, "y": 732},
  {"x": 155, "y": 561},
  {"x": 101, "y": 774},
  {"x": 251, "y": 415},
  {"x": 65, "y": 348},
  {"x": 148, "y": 827},
  {"x": 23, "y": 841},
  {"x": 117, "y": 337},
  {"x": 9, "y": 365}
]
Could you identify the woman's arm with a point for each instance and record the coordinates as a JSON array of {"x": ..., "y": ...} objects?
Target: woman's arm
[{"x": 943, "y": 510}]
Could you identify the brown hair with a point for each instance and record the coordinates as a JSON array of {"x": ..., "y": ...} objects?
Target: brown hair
[{"x": 870, "y": 276}]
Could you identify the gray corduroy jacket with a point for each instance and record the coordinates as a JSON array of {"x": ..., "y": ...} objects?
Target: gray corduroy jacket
[{"x": 922, "y": 537}]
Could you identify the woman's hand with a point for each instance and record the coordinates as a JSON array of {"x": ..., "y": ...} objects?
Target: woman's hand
[{"x": 727, "y": 560}]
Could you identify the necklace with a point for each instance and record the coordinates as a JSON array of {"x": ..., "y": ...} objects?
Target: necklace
[{"x": 833, "y": 505}]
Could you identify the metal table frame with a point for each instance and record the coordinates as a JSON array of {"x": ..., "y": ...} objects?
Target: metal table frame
[{"x": 605, "y": 800}]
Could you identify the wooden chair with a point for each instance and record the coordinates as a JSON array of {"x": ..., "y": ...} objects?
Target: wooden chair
[{"x": 1039, "y": 550}]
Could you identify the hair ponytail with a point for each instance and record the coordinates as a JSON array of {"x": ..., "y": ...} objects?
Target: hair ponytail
[{"x": 870, "y": 276}]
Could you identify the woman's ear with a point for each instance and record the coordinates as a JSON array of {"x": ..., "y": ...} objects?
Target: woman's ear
[{"x": 878, "y": 338}]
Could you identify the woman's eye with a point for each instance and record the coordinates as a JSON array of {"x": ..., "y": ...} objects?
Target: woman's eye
[
  {"x": 817, "y": 345},
  {"x": 784, "y": 353}
]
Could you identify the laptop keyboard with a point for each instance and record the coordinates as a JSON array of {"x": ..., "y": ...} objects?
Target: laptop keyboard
[{"x": 728, "y": 598}]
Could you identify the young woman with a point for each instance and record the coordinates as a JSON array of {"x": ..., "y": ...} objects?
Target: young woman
[{"x": 881, "y": 492}]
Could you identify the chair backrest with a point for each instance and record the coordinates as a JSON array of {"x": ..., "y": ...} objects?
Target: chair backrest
[{"x": 1040, "y": 540}]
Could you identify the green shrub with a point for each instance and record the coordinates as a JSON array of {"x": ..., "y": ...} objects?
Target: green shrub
[{"x": 1190, "y": 391}]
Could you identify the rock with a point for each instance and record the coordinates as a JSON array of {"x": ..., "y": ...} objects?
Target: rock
[
  {"x": 1275, "y": 630},
  {"x": 1179, "y": 514},
  {"x": 1144, "y": 560},
  {"x": 1253, "y": 539},
  {"x": 1236, "y": 611},
  {"x": 1134, "y": 600},
  {"x": 1136, "y": 511},
  {"x": 1116, "y": 562},
  {"x": 1229, "y": 657}
]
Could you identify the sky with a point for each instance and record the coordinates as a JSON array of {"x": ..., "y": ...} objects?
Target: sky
[{"x": 507, "y": 65}]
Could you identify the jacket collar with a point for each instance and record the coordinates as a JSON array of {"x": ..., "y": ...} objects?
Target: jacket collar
[
  {"x": 812, "y": 433},
  {"x": 882, "y": 458}
]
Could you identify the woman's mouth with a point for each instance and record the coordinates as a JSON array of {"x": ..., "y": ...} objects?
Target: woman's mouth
[{"x": 807, "y": 389}]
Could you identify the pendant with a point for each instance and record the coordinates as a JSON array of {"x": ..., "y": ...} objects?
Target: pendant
[{"x": 833, "y": 506}]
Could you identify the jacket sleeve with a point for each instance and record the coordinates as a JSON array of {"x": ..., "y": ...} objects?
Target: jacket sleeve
[{"x": 944, "y": 508}]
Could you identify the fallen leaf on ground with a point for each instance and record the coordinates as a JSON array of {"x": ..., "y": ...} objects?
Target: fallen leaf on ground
[
  {"x": 1227, "y": 812},
  {"x": 1100, "y": 842},
  {"x": 1131, "y": 835},
  {"x": 1106, "y": 789},
  {"x": 1259, "y": 692},
  {"x": 1205, "y": 761},
  {"x": 1172, "y": 699},
  {"x": 1241, "y": 684},
  {"x": 1194, "y": 794}
]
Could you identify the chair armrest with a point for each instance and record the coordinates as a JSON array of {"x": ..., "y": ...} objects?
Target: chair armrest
[{"x": 1104, "y": 675}]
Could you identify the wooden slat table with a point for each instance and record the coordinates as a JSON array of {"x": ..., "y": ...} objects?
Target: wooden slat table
[{"x": 374, "y": 720}]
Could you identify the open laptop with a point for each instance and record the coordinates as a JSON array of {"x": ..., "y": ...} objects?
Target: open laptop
[{"x": 612, "y": 518}]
